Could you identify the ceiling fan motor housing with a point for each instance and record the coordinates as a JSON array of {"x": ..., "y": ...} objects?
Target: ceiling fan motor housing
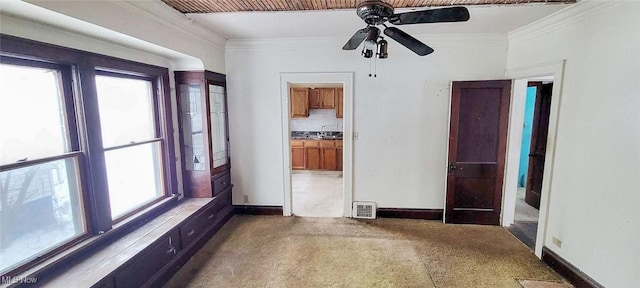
[{"x": 374, "y": 12}]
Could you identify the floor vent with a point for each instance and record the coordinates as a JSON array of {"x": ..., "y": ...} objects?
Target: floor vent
[{"x": 364, "y": 210}]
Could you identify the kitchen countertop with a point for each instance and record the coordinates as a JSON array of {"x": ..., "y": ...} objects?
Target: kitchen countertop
[{"x": 316, "y": 135}]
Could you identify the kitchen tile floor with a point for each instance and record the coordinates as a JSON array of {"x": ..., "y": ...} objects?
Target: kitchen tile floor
[{"x": 317, "y": 193}]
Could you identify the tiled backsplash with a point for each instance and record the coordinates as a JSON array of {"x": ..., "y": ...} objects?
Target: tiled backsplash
[{"x": 317, "y": 119}]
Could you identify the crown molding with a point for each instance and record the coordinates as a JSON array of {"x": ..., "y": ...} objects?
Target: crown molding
[
  {"x": 559, "y": 19},
  {"x": 292, "y": 44},
  {"x": 166, "y": 16}
]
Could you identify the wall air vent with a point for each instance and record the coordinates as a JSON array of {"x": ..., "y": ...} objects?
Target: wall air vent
[{"x": 364, "y": 210}]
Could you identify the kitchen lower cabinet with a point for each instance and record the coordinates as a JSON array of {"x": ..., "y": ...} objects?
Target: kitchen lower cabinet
[
  {"x": 312, "y": 155},
  {"x": 297, "y": 154},
  {"x": 329, "y": 155},
  {"x": 339, "y": 156},
  {"x": 316, "y": 154}
]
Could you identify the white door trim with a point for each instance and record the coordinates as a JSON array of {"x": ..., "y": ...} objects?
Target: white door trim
[
  {"x": 346, "y": 78},
  {"x": 555, "y": 69}
]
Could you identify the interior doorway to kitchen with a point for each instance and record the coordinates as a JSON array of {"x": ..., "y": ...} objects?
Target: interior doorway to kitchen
[
  {"x": 317, "y": 149},
  {"x": 316, "y": 140}
]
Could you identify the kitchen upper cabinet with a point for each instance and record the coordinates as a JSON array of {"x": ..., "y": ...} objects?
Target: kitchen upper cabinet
[
  {"x": 339, "y": 102},
  {"x": 297, "y": 154},
  {"x": 202, "y": 117},
  {"x": 299, "y": 102},
  {"x": 328, "y": 98},
  {"x": 314, "y": 99}
]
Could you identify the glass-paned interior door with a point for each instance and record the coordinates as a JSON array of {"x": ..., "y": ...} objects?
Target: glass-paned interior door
[
  {"x": 218, "y": 125},
  {"x": 191, "y": 111}
]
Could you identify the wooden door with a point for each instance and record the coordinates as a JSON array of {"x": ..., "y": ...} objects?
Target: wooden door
[
  {"x": 314, "y": 98},
  {"x": 299, "y": 102},
  {"x": 339, "y": 104},
  {"x": 538, "y": 148},
  {"x": 477, "y": 148},
  {"x": 328, "y": 98}
]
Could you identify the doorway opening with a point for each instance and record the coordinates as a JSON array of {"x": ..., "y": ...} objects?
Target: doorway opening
[
  {"x": 535, "y": 129},
  {"x": 316, "y": 157},
  {"x": 316, "y": 122}
]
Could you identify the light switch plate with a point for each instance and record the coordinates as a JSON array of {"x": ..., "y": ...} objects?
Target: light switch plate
[{"x": 556, "y": 242}]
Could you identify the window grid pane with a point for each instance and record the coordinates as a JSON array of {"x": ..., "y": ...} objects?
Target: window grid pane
[
  {"x": 41, "y": 209},
  {"x": 135, "y": 177},
  {"x": 126, "y": 110},
  {"x": 31, "y": 113}
]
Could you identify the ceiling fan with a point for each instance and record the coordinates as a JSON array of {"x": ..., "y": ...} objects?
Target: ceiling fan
[{"x": 376, "y": 12}]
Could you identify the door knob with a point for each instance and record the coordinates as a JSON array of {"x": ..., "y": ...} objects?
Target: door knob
[{"x": 452, "y": 168}]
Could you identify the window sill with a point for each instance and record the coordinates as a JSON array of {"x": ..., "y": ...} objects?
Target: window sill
[{"x": 103, "y": 259}]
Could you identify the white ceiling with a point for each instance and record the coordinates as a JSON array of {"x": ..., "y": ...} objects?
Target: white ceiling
[{"x": 343, "y": 23}]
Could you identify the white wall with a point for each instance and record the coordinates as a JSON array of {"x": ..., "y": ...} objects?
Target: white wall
[
  {"x": 318, "y": 120},
  {"x": 23, "y": 28},
  {"x": 150, "y": 21},
  {"x": 594, "y": 195},
  {"x": 401, "y": 116}
]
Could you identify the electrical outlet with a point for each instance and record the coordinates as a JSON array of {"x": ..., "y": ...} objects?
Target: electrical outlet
[
  {"x": 246, "y": 198},
  {"x": 556, "y": 242}
]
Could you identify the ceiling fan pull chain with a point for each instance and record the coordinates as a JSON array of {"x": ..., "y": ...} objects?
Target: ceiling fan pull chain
[
  {"x": 370, "y": 60},
  {"x": 375, "y": 66}
]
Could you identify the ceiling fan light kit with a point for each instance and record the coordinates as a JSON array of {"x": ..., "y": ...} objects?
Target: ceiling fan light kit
[{"x": 376, "y": 12}]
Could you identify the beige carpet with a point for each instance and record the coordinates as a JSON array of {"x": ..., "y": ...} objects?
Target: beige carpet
[{"x": 276, "y": 251}]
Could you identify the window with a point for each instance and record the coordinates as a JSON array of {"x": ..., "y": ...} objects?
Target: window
[
  {"x": 132, "y": 150},
  {"x": 85, "y": 142},
  {"x": 40, "y": 199}
]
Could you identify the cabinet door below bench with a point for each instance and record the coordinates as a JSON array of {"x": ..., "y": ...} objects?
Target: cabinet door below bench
[{"x": 145, "y": 267}]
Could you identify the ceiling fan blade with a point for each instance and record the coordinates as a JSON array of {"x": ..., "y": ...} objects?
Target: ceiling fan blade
[
  {"x": 355, "y": 40},
  {"x": 407, "y": 41},
  {"x": 449, "y": 14}
]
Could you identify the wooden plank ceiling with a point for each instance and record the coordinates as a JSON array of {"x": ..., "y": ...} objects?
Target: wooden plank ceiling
[{"x": 213, "y": 6}]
